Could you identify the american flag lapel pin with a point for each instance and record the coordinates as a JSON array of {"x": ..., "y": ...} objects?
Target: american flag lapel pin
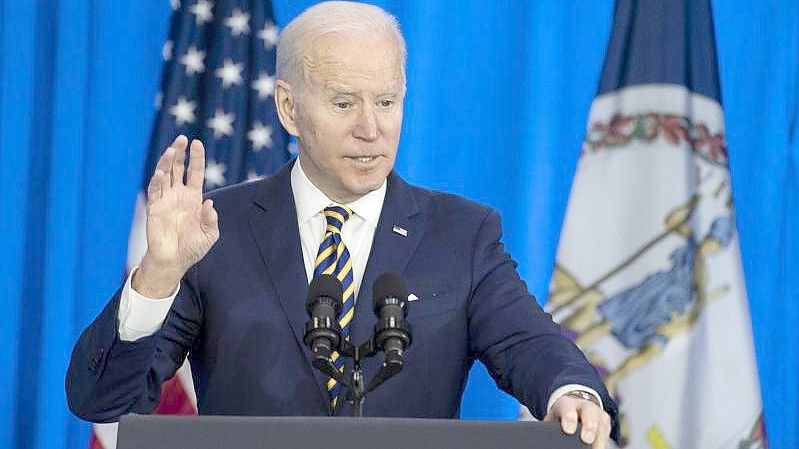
[{"x": 399, "y": 230}]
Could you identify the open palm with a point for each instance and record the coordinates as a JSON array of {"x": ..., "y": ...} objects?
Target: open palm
[{"x": 181, "y": 227}]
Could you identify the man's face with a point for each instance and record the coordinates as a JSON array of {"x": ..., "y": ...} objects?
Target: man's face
[{"x": 349, "y": 114}]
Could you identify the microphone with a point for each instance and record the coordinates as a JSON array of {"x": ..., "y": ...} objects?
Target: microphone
[
  {"x": 392, "y": 333},
  {"x": 324, "y": 303}
]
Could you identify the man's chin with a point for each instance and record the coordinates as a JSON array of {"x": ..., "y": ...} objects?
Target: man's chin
[
  {"x": 364, "y": 190},
  {"x": 366, "y": 186}
]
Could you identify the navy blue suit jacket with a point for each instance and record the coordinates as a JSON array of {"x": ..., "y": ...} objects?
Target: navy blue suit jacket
[{"x": 240, "y": 317}]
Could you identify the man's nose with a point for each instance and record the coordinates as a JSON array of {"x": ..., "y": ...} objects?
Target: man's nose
[{"x": 366, "y": 128}]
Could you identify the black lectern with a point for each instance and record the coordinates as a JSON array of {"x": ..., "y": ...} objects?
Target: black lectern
[{"x": 215, "y": 432}]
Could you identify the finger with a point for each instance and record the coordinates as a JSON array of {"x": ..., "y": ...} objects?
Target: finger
[
  {"x": 179, "y": 159},
  {"x": 180, "y": 142},
  {"x": 568, "y": 421},
  {"x": 589, "y": 421},
  {"x": 209, "y": 216},
  {"x": 196, "y": 165},
  {"x": 603, "y": 433},
  {"x": 165, "y": 160},
  {"x": 154, "y": 188}
]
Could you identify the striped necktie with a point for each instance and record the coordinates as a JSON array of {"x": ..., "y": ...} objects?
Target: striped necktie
[{"x": 334, "y": 259}]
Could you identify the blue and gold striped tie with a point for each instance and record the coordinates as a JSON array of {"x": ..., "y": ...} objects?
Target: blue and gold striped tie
[{"x": 334, "y": 259}]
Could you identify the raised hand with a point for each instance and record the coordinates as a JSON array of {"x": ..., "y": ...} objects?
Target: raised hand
[{"x": 181, "y": 227}]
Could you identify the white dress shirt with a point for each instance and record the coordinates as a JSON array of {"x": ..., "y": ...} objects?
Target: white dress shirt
[
  {"x": 140, "y": 316},
  {"x": 357, "y": 232}
]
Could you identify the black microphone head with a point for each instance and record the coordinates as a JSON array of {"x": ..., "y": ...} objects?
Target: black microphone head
[
  {"x": 325, "y": 286},
  {"x": 389, "y": 285}
]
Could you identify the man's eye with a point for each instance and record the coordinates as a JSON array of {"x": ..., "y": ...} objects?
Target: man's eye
[
  {"x": 343, "y": 104},
  {"x": 386, "y": 103}
]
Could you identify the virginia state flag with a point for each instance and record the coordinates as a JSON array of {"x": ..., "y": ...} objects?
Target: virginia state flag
[{"x": 648, "y": 279}]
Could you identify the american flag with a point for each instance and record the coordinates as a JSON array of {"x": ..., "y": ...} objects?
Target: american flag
[{"x": 217, "y": 85}]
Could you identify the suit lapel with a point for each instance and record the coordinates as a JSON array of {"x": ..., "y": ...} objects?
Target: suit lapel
[
  {"x": 391, "y": 251},
  {"x": 273, "y": 223}
]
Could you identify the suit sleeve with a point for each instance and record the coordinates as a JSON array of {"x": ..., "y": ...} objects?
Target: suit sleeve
[
  {"x": 521, "y": 346},
  {"x": 108, "y": 377}
]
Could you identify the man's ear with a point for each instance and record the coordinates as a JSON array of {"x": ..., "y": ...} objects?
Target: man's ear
[{"x": 285, "y": 102}]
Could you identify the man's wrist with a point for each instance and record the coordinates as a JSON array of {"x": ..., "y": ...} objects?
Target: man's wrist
[
  {"x": 155, "y": 282},
  {"x": 564, "y": 389},
  {"x": 585, "y": 395}
]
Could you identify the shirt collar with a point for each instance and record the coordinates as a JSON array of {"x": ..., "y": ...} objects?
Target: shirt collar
[{"x": 309, "y": 200}]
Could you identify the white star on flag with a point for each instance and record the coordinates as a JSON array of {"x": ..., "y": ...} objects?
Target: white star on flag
[
  {"x": 215, "y": 173},
  {"x": 202, "y": 11},
  {"x": 238, "y": 23},
  {"x": 175, "y": 4},
  {"x": 183, "y": 111},
  {"x": 222, "y": 123},
  {"x": 166, "y": 52},
  {"x": 230, "y": 73},
  {"x": 193, "y": 60},
  {"x": 253, "y": 176},
  {"x": 268, "y": 35},
  {"x": 260, "y": 136},
  {"x": 264, "y": 85}
]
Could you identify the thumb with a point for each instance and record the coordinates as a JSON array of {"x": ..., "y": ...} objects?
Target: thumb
[{"x": 209, "y": 218}]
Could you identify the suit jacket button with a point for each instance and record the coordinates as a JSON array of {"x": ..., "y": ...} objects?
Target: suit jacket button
[{"x": 95, "y": 360}]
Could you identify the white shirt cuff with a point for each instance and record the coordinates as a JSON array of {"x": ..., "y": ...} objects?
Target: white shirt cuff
[
  {"x": 571, "y": 387},
  {"x": 140, "y": 316}
]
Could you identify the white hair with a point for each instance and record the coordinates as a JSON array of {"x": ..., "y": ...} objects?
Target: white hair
[{"x": 332, "y": 17}]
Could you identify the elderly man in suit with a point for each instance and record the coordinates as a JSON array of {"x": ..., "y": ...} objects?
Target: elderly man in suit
[{"x": 224, "y": 278}]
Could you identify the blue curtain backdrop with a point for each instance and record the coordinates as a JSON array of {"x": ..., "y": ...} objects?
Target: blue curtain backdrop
[{"x": 497, "y": 102}]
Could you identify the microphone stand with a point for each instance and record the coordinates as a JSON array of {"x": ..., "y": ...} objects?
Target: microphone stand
[{"x": 356, "y": 387}]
